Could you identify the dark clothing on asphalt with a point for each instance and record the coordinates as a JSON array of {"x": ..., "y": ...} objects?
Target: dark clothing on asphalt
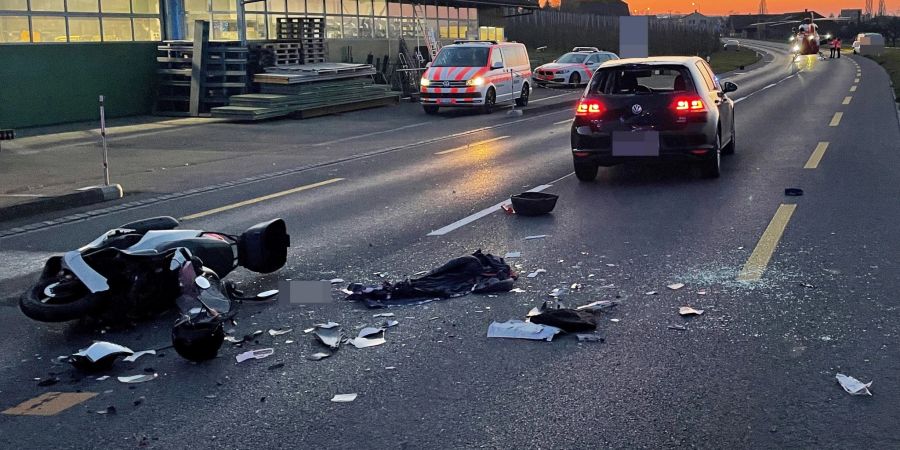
[
  {"x": 479, "y": 273},
  {"x": 568, "y": 320}
]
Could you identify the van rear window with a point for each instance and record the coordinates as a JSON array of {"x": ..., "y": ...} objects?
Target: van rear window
[
  {"x": 462, "y": 57},
  {"x": 631, "y": 80}
]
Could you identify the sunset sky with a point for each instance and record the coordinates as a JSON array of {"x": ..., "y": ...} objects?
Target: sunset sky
[{"x": 724, "y": 7}]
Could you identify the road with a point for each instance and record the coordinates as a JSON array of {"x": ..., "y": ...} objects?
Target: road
[{"x": 757, "y": 370}]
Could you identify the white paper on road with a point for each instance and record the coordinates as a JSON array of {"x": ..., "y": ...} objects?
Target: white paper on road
[
  {"x": 137, "y": 355},
  {"x": 255, "y": 354},
  {"x": 688, "y": 311},
  {"x": 853, "y": 386},
  {"x": 343, "y": 398},
  {"x": 517, "y": 329}
]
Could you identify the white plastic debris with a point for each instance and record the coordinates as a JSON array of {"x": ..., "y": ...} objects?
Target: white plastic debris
[
  {"x": 614, "y": 320},
  {"x": 325, "y": 325},
  {"x": 513, "y": 255},
  {"x": 517, "y": 290},
  {"x": 589, "y": 338},
  {"x": 103, "y": 378},
  {"x": 336, "y": 280},
  {"x": 517, "y": 329},
  {"x": 390, "y": 323},
  {"x": 688, "y": 311},
  {"x": 384, "y": 315},
  {"x": 575, "y": 286},
  {"x": 255, "y": 354},
  {"x": 137, "y": 355},
  {"x": 536, "y": 273},
  {"x": 701, "y": 292},
  {"x": 318, "y": 356},
  {"x": 598, "y": 306},
  {"x": 267, "y": 294},
  {"x": 556, "y": 292},
  {"x": 368, "y": 337},
  {"x": 280, "y": 332},
  {"x": 538, "y": 236},
  {"x": 610, "y": 265},
  {"x": 343, "y": 398},
  {"x": 853, "y": 386},
  {"x": 651, "y": 293},
  {"x": 101, "y": 349},
  {"x": 675, "y": 286},
  {"x": 138, "y": 378}
]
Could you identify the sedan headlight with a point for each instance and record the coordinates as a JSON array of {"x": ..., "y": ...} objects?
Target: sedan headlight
[
  {"x": 424, "y": 82},
  {"x": 477, "y": 81}
]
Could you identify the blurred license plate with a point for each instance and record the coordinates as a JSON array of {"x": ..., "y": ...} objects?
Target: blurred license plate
[{"x": 635, "y": 143}]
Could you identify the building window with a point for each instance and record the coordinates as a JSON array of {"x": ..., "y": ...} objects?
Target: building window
[{"x": 59, "y": 21}]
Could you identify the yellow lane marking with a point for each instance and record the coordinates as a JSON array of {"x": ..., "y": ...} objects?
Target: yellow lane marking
[
  {"x": 486, "y": 141},
  {"x": 261, "y": 199},
  {"x": 816, "y": 156},
  {"x": 847, "y": 100},
  {"x": 853, "y": 89},
  {"x": 856, "y": 80},
  {"x": 562, "y": 122},
  {"x": 49, "y": 404},
  {"x": 836, "y": 120},
  {"x": 761, "y": 255}
]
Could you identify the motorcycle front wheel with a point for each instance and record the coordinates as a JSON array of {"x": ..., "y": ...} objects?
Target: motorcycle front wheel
[{"x": 57, "y": 297}]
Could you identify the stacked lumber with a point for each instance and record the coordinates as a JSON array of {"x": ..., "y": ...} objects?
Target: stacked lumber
[{"x": 309, "y": 94}]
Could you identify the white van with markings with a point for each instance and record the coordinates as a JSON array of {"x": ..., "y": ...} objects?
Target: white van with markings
[{"x": 477, "y": 74}]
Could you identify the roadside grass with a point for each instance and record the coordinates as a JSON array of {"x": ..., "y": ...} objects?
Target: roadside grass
[
  {"x": 727, "y": 60},
  {"x": 890, "y": 60}
]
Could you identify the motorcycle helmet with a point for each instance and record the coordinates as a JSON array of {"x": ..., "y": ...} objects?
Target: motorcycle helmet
[
  {"x": 198, "y": 341},
  {"x": 205, "y": 306}
]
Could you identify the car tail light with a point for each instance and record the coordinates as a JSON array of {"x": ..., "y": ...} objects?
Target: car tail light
[
  {"x": 589, "y": 107},
  {"x": 689, "y": 105}
]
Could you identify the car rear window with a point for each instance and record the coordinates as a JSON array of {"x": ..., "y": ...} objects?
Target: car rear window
[{"x": 641, "y": 79}]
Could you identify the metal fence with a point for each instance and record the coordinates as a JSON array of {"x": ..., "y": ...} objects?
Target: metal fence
[{"x": 561, "y": 31}]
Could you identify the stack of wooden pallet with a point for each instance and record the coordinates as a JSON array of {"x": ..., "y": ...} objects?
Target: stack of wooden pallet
[
  {"x": 329, "y": 89},
  {"x": 223, "y": 73},
  {"x": 310, "y": 31},
  {"x": 279, "y": 53}
]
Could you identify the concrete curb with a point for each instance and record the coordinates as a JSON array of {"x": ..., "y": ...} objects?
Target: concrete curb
[{"x": 82, "y": 197}]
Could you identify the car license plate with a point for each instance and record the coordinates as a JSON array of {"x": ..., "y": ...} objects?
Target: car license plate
[{"x": 635, "y": 143}]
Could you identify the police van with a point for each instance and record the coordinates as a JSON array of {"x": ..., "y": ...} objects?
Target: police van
[{"x": 477, "y": 74}]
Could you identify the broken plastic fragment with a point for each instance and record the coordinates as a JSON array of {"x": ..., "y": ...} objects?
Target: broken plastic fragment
[
  {"x": 343, "y": 398},
  {"x": 517, "y": 290},
  {"x": 137, "y": 355},
  {"x": 652, "y": 293},
  {"x": 99, "y": 355},
  {"x": 614, "y": 320},
  {"x": 538, "y": 236},
  {"x": 610, "y": 265},
  {"x": 556, "y": 292},
  {"x": 49, "y": 381},
  {"x": 677, "y": 327},
  {"x": 675, "y": 286},
  {"x": 336, "y": 280},
  {"x": 255, "y": 354},
  {"x": 280, "y": 332},
  {"x": 536, "y": 273},
  {"x": 517, "y": 329},
  {"x": 103, "y": 378},
  {"x": 390, "y": 323},
  {"x": 137, "y": 378},
  {"x": 598, "y": 306},
  {"x": 701, "y": 292},
  {"x": 688, "y": 311},
  {"x": 331, "y": 336},
  {"x": 853, "y": 386},
  {"x": 318, "y": 356},
  {"x": 233, "y": 340},
  {"x": 589, "y": 338},
  {"x": 327, "y": 325},
  {"x": 513, "y": 255},
  {"x": 384, "y": 315},
  {"x": 267, "y": 294},
  {"x": 807, "y": 285},
  {"x": 576, "y": 286}
]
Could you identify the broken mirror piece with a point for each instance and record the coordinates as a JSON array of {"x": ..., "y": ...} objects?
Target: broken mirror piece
[
  {"x": 853, "y": 386},
  {"x": 589, "y": 338},
  {"x": 137, "y": 355},
  {"x": 318, "y": 356},
  {"x": 517, "y": 329},
  {"x": 274, "y": 332},
  {"x": 688, "y": 311},
  {"x": 255, "y": 354},
  {"x": 675, "y": 286},
  {"x": 98, "y": 356},
  {"x": 137, "y": 378},
  {"x": 343, "y": 398}
]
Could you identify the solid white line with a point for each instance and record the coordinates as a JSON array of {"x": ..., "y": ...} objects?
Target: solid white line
[
  {"x": 483, "y": 213},
  {"x": 375, "y": 133},
  {"x": 548, "y": 98},
  {"x": 562, "y": 122},
  {"x": 468, "y": 146},
  {"x": 769, "y": 86}
]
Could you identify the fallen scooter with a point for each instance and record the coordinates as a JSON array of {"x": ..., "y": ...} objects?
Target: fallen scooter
[{"x": 133, "y": 271}]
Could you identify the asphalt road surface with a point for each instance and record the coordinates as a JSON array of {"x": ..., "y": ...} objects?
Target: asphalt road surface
[{"x": 757, "y": 370}]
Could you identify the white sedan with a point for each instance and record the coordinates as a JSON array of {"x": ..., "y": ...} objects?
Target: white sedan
[{"x": 574, "y": 68}]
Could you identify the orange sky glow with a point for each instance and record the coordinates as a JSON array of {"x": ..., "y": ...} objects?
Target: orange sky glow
[{"x": 726, "y": 7}]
